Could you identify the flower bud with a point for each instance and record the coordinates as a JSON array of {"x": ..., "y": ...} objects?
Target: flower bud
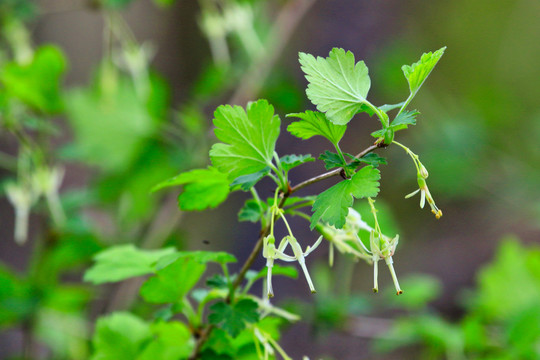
[{"x": 423, "y": 171}]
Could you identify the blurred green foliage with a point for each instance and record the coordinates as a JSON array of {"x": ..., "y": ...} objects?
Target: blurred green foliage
[
  {"x": 502, "y": 314},
  {"x": 482, "y": 105}
]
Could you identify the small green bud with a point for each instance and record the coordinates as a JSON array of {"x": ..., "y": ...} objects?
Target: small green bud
[
  {"x": 423, "y": 171},
  {"x": 388, "y": 136}
]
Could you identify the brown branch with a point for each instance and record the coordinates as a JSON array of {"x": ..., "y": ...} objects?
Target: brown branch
[
  {"x": 258, "y": 246},
  {"x": 331, "y": 173}
]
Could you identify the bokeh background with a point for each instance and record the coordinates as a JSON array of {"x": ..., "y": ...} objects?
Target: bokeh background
[{"x": 477, "y": 134}]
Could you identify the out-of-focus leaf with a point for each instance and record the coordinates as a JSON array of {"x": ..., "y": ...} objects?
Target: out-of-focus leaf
[
  {"x": 122, "y": 262},
  {"x": 203, "y": 188},
  {"x": 233, "y": 318},
  {"x": 172, "y": 341},
  {"x": 120, "y": 336},
  {"x": 110, "y": 125},
  {"x": 202, "y": 257},
  {"x": 129, "y": 190},
  {"x": 217, "y": 281},
  {"x": 37, "y": 84},
  {"x": 251, "y": 211},
  {"x": 18, "y": 300},
  {"x": 497, "y": 297},
  {"x": 220, "y": 343},
  {"x": 420, "y": 288},
  {"x": 172, "y": 282},
  {"x": 523, "y": 333}
]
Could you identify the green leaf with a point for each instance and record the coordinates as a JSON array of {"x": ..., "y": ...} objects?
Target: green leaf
[
  {"x": 315, "y": 123},
  {"x": 37, "y": 84},
  {"x": 401, "y": 122},
  {"x": 421, "y": 289},
  {"x": 220, "y": 343},
  {"x": 217, "y": 281},
  {"x": 386, "y": 107},
  {"x": 370, "y": 159},
  {"x": 110, "y": 126},
  {"x": 203, "y": 188},
  {"x": 246, "y": 182},
  {"x": 233, "y": 318},
  {"x": 331, "y": 160},
  {"x": 289, "y": 162},
  {"x": 202, "y": 257},
  {"x": 418, "y": 72},
  {"x": 18, "y": 300},
  {"x": 172, "y": 341},
  {"x": 404, "y": 119},
  {"x": 251, "y": 211},
  {"x": 332, "y": 205},
  {"x": 172, "y": 282},
  {"x": 337, "y": 86},
  {"x": 122, "y": 262},
  {"x": 514, "y": 267},
  {"x": 119, "y": 336},
  {"x": 248, "y": 138}
]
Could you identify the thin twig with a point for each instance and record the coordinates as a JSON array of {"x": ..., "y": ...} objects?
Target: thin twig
[{"x": 331, "y": 173}]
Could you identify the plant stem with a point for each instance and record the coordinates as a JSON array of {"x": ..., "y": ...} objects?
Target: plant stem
[
  {"x": 331, "y": 173},
  {"x": 405, "y": 104},
  {"x": 265, "y": 231}
]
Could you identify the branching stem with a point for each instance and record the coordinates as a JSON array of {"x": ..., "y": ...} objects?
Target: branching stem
[{"x": 205, "y": 333}]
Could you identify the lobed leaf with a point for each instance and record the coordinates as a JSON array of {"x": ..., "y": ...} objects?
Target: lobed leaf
[
  {"x": 251, "y": 211},
  {"x": 202, "y": 257},
  {"x": 37, "y": 84},
  {"x": 248, "y": 138},
  {"x": 172, "y": 282},
  {"x": 203, "y": 188},
  {"x": 401, "y": 122},
  {"x": 337, "y": 85},
  {"x": 331, "y": 160},
  {"x": 372, "y": 159},
  {"x": 418, "y": 72},
  {"x": 289, "y": 162},
  {"x": 233, "y": 318},
  {"x": 246, "y": 182},
  {"x": 315, "y": 123},
  {"x": 122, "y": 262},
  {"x": 333, "y": 204},
  {"x": 404, "y": 118},
  {"x": 119, "y": 336},
  {"x": 172, "y": 341}
]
